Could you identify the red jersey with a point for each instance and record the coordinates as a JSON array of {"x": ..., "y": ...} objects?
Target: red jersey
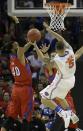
[{"x": 22, "y": 74}]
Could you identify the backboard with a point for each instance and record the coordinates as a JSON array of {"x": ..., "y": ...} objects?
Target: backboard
[{"x": 31, "y": 8}]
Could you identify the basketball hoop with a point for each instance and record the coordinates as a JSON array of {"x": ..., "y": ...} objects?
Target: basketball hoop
[{"x": 57, "y": 12}]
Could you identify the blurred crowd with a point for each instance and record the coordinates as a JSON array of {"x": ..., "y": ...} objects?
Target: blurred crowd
[
  {"x": 38, "y": 4},
  {"x": 7, "y": 34},
  {"x": 29, "y": 3}
]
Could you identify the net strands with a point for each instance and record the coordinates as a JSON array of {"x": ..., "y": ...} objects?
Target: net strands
[{"x": 57, "y": 12}]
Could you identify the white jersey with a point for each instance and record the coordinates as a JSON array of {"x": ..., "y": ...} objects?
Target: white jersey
[
  {"x": 66, "y": 63},
  {"x": 64, "y": 80}
]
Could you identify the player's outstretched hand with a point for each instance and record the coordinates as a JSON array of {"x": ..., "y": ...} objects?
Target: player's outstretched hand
[{"x": 44, "y": 47}]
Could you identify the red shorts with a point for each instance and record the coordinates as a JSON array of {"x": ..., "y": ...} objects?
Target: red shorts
[{"x": 21, "y": 103}]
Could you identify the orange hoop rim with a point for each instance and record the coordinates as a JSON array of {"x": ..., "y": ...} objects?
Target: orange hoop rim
[{"x": 58, "y": 4}]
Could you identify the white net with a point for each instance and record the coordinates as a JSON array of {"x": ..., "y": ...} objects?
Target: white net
[{"x": 57, "y": 13}]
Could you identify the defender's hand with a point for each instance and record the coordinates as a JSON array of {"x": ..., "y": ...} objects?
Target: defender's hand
[{"x": 45, "y": 48}]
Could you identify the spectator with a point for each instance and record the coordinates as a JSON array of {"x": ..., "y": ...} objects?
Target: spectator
[
  {"x": 29, "y": 4},
  {"x": 35, "y": 64},
  {"x": 1, "y": 70},
  {"x": 37, "y": 124}
]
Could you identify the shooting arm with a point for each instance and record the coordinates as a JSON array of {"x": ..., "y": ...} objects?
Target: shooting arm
[
  {"x": 78, "y": 53},
  {"x": 27, "y": 46},
  {"x": 20, "y": 39}
]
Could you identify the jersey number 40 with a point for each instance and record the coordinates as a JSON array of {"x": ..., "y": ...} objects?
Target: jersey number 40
[{"x": 15, "y": 71}]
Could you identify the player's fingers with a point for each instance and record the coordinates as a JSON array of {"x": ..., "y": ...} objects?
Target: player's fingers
[{"x": 41, "y": 47}]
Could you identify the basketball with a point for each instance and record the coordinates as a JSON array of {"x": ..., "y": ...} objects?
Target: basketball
[{"x": 34, "y": 35}]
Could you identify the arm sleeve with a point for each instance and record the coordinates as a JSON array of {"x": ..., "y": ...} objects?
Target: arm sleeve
[{"x": 19, "y": 35}]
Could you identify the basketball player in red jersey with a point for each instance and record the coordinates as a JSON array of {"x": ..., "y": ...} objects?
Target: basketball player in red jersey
[{"x": 21, "y": 104}]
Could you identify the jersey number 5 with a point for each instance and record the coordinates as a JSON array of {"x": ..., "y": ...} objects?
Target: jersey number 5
[
  {"x": 15, "y": 71},
  {"x": 70, "y": 61}
]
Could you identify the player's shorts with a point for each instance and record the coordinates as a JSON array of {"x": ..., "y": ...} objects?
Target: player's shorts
[
  {"x": 21, "y": 103},
  {"x": 60, "y": 89}
]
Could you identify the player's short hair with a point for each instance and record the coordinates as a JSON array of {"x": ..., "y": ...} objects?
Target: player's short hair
[{"x": 60, "y": 45}]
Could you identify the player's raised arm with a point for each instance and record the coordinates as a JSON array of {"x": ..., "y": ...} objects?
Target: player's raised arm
[
  {"x": 57, "y": 36},
  {"x": 27, "y": 46},
  {"x": 20, "y": 39},
  {"x": 78, "y": 53}
]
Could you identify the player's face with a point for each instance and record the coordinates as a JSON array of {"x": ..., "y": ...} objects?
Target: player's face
[
  {"x": 15, "y": 45},
  {"x": 60, "y": 52}
]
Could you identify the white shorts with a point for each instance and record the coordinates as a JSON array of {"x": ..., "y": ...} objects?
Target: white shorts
[{"x": 59, "y": 90}]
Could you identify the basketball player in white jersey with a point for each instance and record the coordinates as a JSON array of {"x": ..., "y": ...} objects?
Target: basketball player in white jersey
[{"x": 64, "y": 81}]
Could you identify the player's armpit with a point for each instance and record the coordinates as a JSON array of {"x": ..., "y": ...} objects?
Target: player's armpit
[{"x": 54, "y": 65}]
